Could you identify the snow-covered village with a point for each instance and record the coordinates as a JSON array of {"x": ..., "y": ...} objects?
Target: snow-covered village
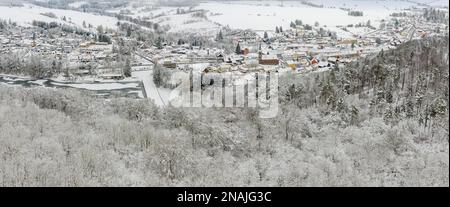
[
  {"x": 116, "y": 48},
  {"x": 326, "y": 53}
]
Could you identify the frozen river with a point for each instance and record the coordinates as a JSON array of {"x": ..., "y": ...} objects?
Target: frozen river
[
  {"x": 141, "y": 87},
  {"x": 132, "y": 89}
]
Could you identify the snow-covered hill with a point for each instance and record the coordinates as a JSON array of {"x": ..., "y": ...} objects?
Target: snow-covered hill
[{"x": 26, "y": 14}]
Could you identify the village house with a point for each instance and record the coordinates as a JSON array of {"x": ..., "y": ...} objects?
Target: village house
[{"x": 268, "y": 59}]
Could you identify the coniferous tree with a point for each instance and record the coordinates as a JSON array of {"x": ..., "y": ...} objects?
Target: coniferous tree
[
  {"x": 157, "y": 79},
  {"x": 292, "y": 25},
  {"x": 127, "y": 68},
  {"x": 238, "y": 49},
  {"x": 219, "y": 36},
  {"x": 158, "y": 43}
]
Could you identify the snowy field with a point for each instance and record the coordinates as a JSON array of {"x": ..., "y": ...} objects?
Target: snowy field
[
  {"x": 167, "y": 16},
  {"x": 266, "y": 15},
  {"x": 186, "y": 23},
  {"x": 78, "y": 4},
  {"x": 25, "y": 15},
  {"x": 256, "y": 15}
]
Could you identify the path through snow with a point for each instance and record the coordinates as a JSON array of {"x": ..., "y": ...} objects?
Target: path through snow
[{"x": 160, "y": 96}]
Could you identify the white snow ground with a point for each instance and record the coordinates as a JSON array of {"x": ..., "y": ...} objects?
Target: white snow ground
[
  {"x": 78, "y": 4},
  {"x": 266, "y": 15},
  {"x": 160, "y": 96},
  {"x": 257, "y": 15},
  {"x": 25, "y": 15}
]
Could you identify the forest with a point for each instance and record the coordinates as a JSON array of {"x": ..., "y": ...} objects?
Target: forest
[{"x": 381, "y": 121}]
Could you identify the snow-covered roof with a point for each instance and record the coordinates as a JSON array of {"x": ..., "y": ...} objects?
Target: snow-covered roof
[{"x": 269, "y": 57}]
